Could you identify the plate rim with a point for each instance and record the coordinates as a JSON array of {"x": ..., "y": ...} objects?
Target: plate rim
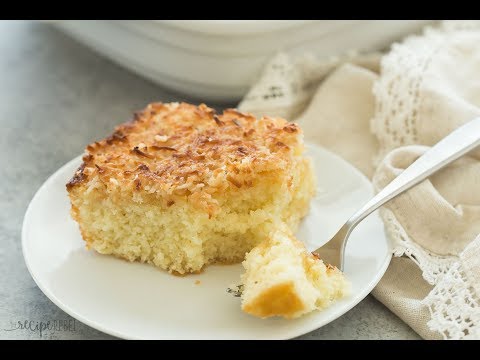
[{"x": 92, "y": 323}]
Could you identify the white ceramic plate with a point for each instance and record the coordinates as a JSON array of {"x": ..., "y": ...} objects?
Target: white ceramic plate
[{"x": 138, "y": 301}]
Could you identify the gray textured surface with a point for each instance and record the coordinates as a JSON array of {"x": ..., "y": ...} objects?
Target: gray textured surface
[{"x": 55, "y": 97}]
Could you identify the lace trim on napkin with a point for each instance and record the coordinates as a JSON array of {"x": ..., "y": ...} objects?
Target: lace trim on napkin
[
  {"x": 397, "y": 91},
  {"x": 433, "y": 266},
  {"x": 454, "y": 305},
  {"x": 287, "y": 85}
]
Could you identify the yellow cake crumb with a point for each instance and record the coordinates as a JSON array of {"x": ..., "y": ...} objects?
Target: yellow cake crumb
[{"x": 283, "y": 279}]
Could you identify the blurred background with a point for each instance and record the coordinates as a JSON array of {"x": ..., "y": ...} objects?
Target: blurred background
[{"x": 217, "y": 60}]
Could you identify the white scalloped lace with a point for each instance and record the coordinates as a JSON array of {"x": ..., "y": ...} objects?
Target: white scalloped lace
[
  {"x": 286, "y": 86},
  {"x": 433, "y": 266},
  {"x": 396, "y": 91},
  {"x": 453, "y": 305}
]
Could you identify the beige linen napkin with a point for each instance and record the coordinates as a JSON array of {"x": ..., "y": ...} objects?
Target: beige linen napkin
[{"x": 381, "y": 121}]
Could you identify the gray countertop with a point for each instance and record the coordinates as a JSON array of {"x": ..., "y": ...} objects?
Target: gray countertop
[{"x": 55, "y": 97}]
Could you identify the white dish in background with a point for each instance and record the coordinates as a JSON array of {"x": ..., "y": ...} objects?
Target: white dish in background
[
  {"x": 218, "y": 60},
  {"x": 139, "y": 301}
]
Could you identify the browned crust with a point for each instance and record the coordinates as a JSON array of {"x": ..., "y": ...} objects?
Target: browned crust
[
  {"x": 186, "y": 150},
  {"x": 78, "y": 177},
  {"x": 281, "y": 299}
]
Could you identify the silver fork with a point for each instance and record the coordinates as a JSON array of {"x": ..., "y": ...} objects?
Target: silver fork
[{"x": 456, "y": 144}]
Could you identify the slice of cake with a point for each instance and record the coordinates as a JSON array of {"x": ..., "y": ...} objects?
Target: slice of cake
[
  {"x": 283, "y": 279},
  {"x": 181, "y": 187}
]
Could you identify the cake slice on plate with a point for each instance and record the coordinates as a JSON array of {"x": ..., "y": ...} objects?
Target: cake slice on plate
[{"x": 181, "y": 187}]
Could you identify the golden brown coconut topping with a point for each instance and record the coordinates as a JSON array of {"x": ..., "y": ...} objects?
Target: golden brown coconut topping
[{"x": 186, "y": 150}]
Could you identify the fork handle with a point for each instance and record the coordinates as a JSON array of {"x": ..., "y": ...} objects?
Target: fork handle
[{"x": 456, "y": 144}]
